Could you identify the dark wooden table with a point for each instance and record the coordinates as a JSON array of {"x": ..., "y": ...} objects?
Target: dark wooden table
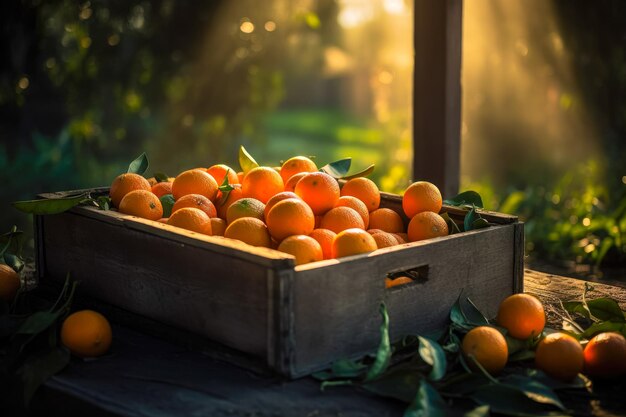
[{"x": 147, "y": 376}]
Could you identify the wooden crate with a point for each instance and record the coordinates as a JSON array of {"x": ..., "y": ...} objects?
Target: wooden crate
[{"x": 293, "y": 319}]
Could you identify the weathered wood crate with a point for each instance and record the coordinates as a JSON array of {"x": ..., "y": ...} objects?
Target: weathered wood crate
[{"x": 293, "y": 319}]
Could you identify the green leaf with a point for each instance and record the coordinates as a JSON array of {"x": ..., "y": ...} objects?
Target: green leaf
[
  {"x": 367, "y": 171},
  {"x": 427, "y": 402},
  {"x": 508, "y": 400},
  {"x": 474, "y": 315},
  {"x": 37, "y": 322},
  {"x": 50, "y": 205},
  {"x": 533, "y": 389},
  {"x": 602, "y": 308},
  {"x": 104, "y": 202},
  {"x": 467, "y": 198},
  {"x": 522, "y": 355},
  {"x": 139, "y": 165},
  {"x": 246, "y": 161},
  {"x": 225, "y": 189},
  {"x": 14, "y": 262},
  {"x": 400, "y": 384},
  {"x": 480, "y": 411},
  {"x": 383, "y": 355},
  {"x": 432, "y": 353},
  {"x": 480, "y": 224},
  {"x": 469, "y": 219},
  {"x": 452, "y": 226},
  {"x": 467, "y": 316},
  {"x": 345, "y": 368},
  {"x": 167, "y": 201},
  {"x": 161, "y": 177},
  {"x": 337, "y": 169},
  {"x": 458, "y": 317},
  {"x": 37, "y": 369},
  {"x": 604, "y": 326}
]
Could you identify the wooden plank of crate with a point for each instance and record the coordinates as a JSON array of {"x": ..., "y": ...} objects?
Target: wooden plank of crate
[{"x": 336, "y": 302}]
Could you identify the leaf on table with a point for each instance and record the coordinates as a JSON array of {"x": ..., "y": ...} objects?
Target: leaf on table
[
  {"x": 601, "y": 308},
  {"x": 508, "y": 400},
  {"x": 432, "y": 353},
  {"x": 337, "y": 169},
  {"x": 246, "y": 161},
  {"x": 383, "y": 355},
  {"x": 139, "y": 165},
  {"x": 604, "y": 326},
  {"x": 36, "y": 369},
  {"x": 401, "y": 384},
  {"x": 50, "y": 205},
  {"x": 14, "y": 262},
  {"x": 427, "y": 402},
  {"x": 533, "y": 389},
  {"x": 466, "y": 198},
  {"x": 480, "y": 411}
]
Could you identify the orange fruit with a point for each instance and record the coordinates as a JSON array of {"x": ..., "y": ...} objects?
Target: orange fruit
[
  {"x": 222, "y": 204},
  {"x": 290, "y": 185},
  {"x": 194, "y": 181},
  {"x": 304, "y": 248},
  {"x": 397, "y": 281},
  {"x": 162, "y": 188},
  {"x": 426, "y": 225},
  {"x": 86, "y": 333},
  {"x": 219, "y": 171},
  {"x": 560, "y": 356},
  {"x": 262, "y": 183},
  {"x": 142, "y": 203},
  {"x": 296, "y": 165},
  {"x": 419, "y": 197},
  {"x": 240, "y": 176},
  {"x": 124, "y": 184},
  {"x": 318, "y": 221},
  {"x": 402, "y": 237},
  {"x": 290, "y": 217},
  {"x": 365, "y": 190},
  {"x": 487, "y": 346},
  {"x": 245, "y": 207},
  {"x": 384, "y": 240},
  {"x": 356, "y": 204},
  {"x": 191, "y": 218},
  {"x": 249, "y": 230},
  {"x": 152, "y": 181},
  {"x": 9, "y": 283},
  {"x": 522, "y": 315},
  {"x": 605, "y": 356},
  {"x": 387, "y": 220},
  {"x": 325, "y": 238},
  {"x": 162, "y": 220},
  {"x": 278, "y": 197},
  {"x": 352, "y": 242},
  {"x": 218, "y": 226},
  {"x": 198, "y": 201},
  {"x": 319, "y": 190},
  {"x": 341, "y": 218},
  {"x": 374, "y": 231}
]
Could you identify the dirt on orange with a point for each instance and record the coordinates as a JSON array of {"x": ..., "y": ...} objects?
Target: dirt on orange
[
  {"x": 421, "y": 196},
  {"x": 304, "y": 248},
  {"x": 560, "y": 356},
  {"x": 162, "y": 188},
  {"x": 387, "y": 220},
  {"x": 262, "y": 183},
  {"x": 290, "y": 185},
  {"x": 341, "y": 218},
  {"x": 319, "y": 190},
  {"x": 245, "y": 207},
  {"x": 249, "y": 230},
  {"x": 488, "y": 347},
  {"x": 124, "y": 184},
  {"x": 384, "y": 240},
  {"x": 522, "y": 315},
  {"x": 142, "y": 203},
  {"x": 219, "y": 171},
  {"x": 355, "y": 204},
  {"x": 365, "y": 190},
  {"x": 605, "y": 356},
  {"x": 290, "y": 217},
  {"x": 296, "y": 165},
  {"x": 9, "y": 283},
  {"x": 396, "y": 282},
  {"x": 222, "y": 204},
  {"x": 352, "y": 242},
  {"x": 194, "y": 181},
  {"x": 86, "y": 334},
  {"x": 191, "y": 218},
  {"x": 197, "y": 201},
  {"x": 278, "y": 197},
  {"x": 218, "y": 226},
  {"x": 325, "y": 238},
  {"x": 426, "y": 225}
]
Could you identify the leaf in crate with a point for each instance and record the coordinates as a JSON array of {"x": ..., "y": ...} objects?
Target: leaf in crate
[
  {"x": 337, "y": 169},
  {"x": 480, "y": 224},
  {"x": 104, "y": 202},
  {"x": 469, "y": 219},
  {"x": 466, "y": 198},
  {"x": 161, "y": 177},
  {"x": 398, "y": 384},
  {"x": 427, "y": 402},
  {"x": 139, "y": 165},
  {"x": 432, "y": 353},
  {"x": 50, "y": 205},
  {"x": 246, "y": 161},
  {"x": 37, "y": 369},
  {"x": 167, "y": 201},
  {"x": 14, "y": 262},
  {"x": 452, "y": 226},
  {"x": 533, "y": 389},
  {"x": 367, "y": 171},
  {"x": 601, "y": 308},
  {"x": 480, "y": 411},
  {"x": 383, "y": 355}
]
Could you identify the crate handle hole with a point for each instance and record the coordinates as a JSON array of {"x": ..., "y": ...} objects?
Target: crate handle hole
[{"x": 414, "y": 275}]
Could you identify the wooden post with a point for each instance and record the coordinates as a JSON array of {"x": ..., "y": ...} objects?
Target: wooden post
[{"x": 437, "y": 93}]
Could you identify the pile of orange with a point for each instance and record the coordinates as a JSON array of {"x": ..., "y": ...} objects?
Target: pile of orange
[{"x": 275, "y": 207}]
